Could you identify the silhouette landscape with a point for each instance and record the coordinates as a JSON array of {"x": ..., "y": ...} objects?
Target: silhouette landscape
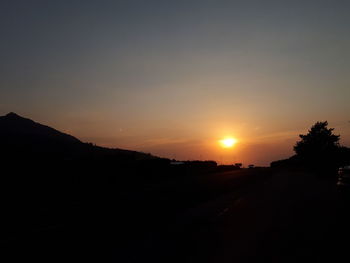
[
  {"x": 79, "y": 200},
  {"x": 174, "y": 131}
]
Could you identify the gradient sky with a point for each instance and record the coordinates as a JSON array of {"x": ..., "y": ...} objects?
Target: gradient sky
[{"x": 174, "y": 77}]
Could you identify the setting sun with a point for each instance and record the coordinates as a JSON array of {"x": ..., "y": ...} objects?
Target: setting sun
[{"x": 228, "y": 142}]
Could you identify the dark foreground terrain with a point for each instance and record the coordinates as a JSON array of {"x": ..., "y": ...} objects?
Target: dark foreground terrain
[
  {"x": 64, "y": 200},
  {"x": 250, "y": 215},
  {"x": 288, "y": 217}
]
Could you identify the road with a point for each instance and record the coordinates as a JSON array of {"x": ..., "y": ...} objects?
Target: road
[
  {"x": 240, "y": 216},
  {"x": 288, "y": 217}
]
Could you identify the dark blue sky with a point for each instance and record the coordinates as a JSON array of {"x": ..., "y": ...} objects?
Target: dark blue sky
[{"x": 172, "y": 77}]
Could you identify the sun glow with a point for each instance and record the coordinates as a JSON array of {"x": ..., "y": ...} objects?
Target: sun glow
[{"x": 228, "y": 142}]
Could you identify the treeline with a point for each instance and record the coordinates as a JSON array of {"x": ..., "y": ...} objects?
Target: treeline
[{"x": 318, "y": 150}]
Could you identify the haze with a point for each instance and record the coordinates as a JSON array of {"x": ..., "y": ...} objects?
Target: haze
[{"x": 174, "y": 77}]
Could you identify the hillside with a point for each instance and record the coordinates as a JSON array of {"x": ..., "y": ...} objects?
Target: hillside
[{"x": 22, "y": 138}]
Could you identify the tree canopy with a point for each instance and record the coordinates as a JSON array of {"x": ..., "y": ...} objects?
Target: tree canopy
[
  {"x": 319, "y": 144},
  {"x": 318, "y": 150}
]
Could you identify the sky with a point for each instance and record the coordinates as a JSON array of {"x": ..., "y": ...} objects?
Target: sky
[{"x": 173, "y": 77}]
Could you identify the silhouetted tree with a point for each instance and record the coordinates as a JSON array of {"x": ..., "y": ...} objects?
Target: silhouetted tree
[{"x": 319, "y": 147}]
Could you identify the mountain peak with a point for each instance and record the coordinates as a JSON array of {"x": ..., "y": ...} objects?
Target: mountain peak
[
  {"x": 12, "y": 115},
  {"x": 21, "y": 128}
]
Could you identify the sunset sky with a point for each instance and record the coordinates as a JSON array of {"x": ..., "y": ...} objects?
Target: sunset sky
[{"x": 174, "y": 77}]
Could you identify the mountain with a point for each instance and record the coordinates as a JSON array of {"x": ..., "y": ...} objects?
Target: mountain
[
  {"x": 17, "y": 127},
  {"x": 22, "y": 138}
]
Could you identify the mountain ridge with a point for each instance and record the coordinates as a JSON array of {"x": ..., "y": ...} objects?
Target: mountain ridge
[
  {"x": 15, "y": 123},
  {"x": 23, "y": 136}
]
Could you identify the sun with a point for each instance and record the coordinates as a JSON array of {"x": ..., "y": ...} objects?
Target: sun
[{"x": 228, "y": 142}]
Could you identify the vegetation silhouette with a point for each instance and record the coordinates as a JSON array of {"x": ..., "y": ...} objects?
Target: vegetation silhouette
[
  {"x": 318, "y": 150},
  {"x": 63, "y": 197},
  {"x": 60, "y": 194}
]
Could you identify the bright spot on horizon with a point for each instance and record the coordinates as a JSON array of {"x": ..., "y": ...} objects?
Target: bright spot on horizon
[{"x": 228, "y": 142}]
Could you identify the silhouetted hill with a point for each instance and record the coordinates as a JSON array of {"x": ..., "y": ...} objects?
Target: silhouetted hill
[
  {"x": 23, "y": 139},
  {"x": 13, "y": 126}
]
